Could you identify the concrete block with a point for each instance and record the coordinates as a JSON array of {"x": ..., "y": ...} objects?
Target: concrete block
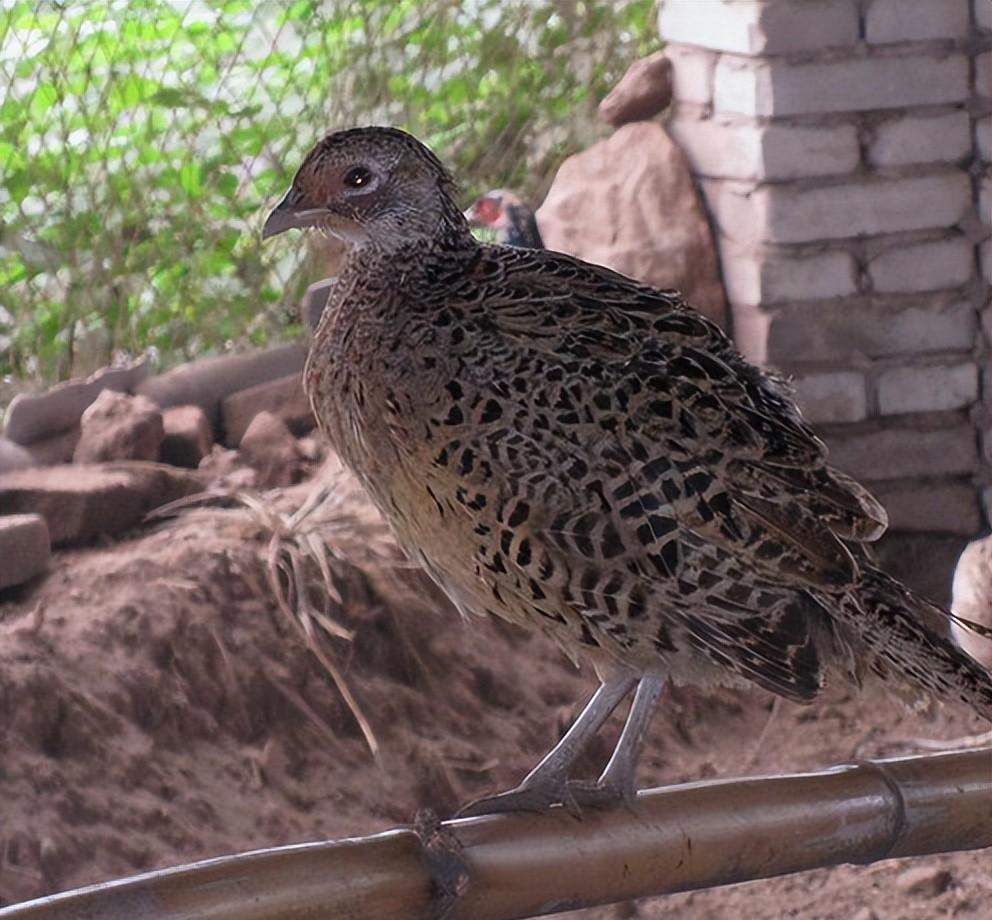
[
  {"x": 921, "y": 139},
  {"x": 779, "y": 87},
  {"x": 934, "y": 507},
  {"x": 902, "y": 453},
  {"x": 888, "y": 21},
  {"x": 692, "y": 74},
  {"x": 832, "y": 397},
  {"x": 932, "y": 388},
  {"x": 930, "y": 266},
  {"x": 743, "y": 149},
  {"x": 25, "y": 548},
  {"x": 784, "y": 213},
  {"x": 808, "y": 332},
  {"x": 41, "y": 416},
  {"x": 82, "y": 502},
  {"x": 761, "y": 277},
  {"x": 206, "y": 382},
  {"x": 283, "y": 397},
  {"x": 759, "y": 28}
]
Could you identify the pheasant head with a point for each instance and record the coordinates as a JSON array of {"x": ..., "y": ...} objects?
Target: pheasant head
[{"x": 372, "y": 187}]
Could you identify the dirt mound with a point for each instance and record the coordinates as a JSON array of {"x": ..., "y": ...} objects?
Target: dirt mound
[{"x": 158, "y": 708}]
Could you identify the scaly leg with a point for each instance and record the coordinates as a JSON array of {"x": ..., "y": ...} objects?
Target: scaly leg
[
  {"x": 616, "y": 782},
  {"x": 547, "y": 784}
]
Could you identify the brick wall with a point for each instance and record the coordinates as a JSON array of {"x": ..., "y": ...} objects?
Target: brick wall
[{"x": 844, "y": 148}]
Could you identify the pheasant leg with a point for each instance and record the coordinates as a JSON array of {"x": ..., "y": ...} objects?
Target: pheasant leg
[
  {"x": 616, "y": 782},
  {"x": 548, "y": 783}
]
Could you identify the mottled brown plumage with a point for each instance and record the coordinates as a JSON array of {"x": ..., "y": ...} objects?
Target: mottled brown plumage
[{"x": 573, "y": 451}]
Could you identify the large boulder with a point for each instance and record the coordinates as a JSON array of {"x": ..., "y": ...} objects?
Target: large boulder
[
  {"x": 629, "y": 203},
  {"x": 119, "y": 427},
  {"x": 81, "y": 502}
]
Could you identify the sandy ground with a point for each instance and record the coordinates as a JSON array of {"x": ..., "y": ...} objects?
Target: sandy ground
[{"x": 157, "y": 708}]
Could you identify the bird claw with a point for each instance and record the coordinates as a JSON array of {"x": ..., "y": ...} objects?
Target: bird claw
[
  {"x": 602, "y": 793},
  {"x": 536, "y": 798},
  {"x": 541, "y": 798}
]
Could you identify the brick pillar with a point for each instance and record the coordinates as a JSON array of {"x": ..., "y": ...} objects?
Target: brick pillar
[
  {"x": 834, "y": 142},
  {"x": 982, "y": 170}
]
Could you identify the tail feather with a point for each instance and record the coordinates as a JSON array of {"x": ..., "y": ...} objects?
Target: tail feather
[{"x": 893, "y": 623}]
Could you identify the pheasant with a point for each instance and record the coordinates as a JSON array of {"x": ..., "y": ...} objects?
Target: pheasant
[
  {"x": 513, "y": 223},
  {"x": 573, "y": 451}
]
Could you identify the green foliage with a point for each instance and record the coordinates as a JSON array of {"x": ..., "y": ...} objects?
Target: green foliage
[{"x": 140, "y": 141}]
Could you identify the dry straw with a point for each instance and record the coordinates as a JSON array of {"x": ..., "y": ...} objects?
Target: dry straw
[{"x": 306, "y": 551}]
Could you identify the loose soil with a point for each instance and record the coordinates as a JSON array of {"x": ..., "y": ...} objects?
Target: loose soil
[{"x": 157, "y": 708}]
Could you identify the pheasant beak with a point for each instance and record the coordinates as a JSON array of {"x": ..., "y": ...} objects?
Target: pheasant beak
[{"x": 291, "y": 212}]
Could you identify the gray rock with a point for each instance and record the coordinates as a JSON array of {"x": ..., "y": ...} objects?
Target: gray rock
[
  {"x": 13, "y": 456},
  {"x": 188, "y": 438},
  {"x": 283, "y": 397},
  {"x": 272, "y": 451},
  {"x": 119, "y": 427},
  {"x": 314, "y": 300},
  {"x": 25, "y": 548},
  {"x": 207, "y": 382},
  {"x": 924, "y": 881},
  {"x": 37, "y": 417},
  {"x": 81, "y": 502}
]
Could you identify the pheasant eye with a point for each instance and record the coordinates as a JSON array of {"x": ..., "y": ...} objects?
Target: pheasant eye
[{"x": 357, "y": 177}]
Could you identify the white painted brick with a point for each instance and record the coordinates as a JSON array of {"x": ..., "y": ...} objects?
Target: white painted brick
[
  {"x": 792, "y": 152},
  {"x": 983, "y": 74},
  {"x": 983, "y": 14},
  {"x": 983, "y": 130},
  {"x": 692, "y": 74},
  {"x": 896, "y": 453},
  {"x": 914, "y": 139},
  {"x": 720, "y": 149},
  {"x": 756, "y": 277},
  {"x": 832, "y": 397},
  {"x": 755, "y": 27},
  {"x": 915, "y": 20},
  {"x": 948, "y": 507},
  {"x": 849, "y": 329},
  {"x": 932, "y": 266},
  {"x": 743, "y": 149},
  {"x": 747, "y": 213},
  {"x": 927, "y": 389},
  {"x": 985, "y": 200},
  {"x": 778, "y": 87}
]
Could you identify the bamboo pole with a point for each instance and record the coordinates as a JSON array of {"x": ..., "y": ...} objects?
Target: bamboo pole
[{"x": 696, "y": 835}]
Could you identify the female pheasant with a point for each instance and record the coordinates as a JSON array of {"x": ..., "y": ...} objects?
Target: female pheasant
[{"x": 573, "y": 451}]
